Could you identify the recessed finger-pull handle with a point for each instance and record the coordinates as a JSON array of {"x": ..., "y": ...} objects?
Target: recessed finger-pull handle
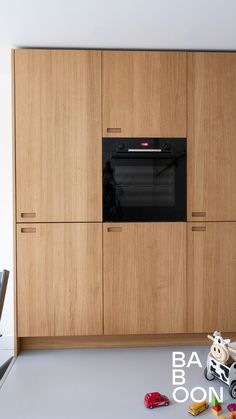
[
  {"x": 114, "y": 130},
  {"x": 28, "y": 215},
  {"x": 199, "y": 228},
  {"x": 28, "y": 230},
  {"x": 114, "y": 229},
  {"x": 198, "y": 214}
]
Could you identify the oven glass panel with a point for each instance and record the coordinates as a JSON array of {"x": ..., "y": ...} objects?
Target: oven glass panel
[{"x": 144, "y": 186}]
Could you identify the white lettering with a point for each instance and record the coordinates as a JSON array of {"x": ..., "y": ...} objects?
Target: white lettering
[
  {"x": 178, "y": 359},
  {"x": 180, "y": 389},
  {"x": 212, "y": 393},
  {"x": 178, "y": 377},
  {"x": 198, "y": 389},
  {"x": 194, "y": 359}
]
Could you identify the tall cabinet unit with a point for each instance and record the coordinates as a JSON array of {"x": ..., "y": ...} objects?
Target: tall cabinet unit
[
  {"x": 78, "y": 278},
  {"x": 58, "y": 192},
  {"x": 211, "y": 191}
]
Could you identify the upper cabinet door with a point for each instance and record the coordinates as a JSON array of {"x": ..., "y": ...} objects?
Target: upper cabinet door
[
  {"x": 212, "y": 136},
  {"x": 58, "y": 135},
  {"x": 144, "y": 94}
]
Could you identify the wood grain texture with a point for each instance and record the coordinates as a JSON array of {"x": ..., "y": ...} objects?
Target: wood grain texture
[
  {"x": 59, "y": 280},
  {"x": 58, "y": 134},
  {"x": 188, "y": 339},
  {"x": 211, "y": 277},
  {"x": 211, "y": 136},
  {"x": 144, "y": 93},
  {"x": 144, "y": 278}
]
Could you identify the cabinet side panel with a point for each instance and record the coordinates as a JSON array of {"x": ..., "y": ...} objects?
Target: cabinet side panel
[{"x": 16, "y": 339}]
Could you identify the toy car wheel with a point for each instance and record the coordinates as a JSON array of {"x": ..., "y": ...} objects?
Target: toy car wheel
[
  {"x": 151, "y": 407},
  {"x": 166, "y": 404},
  {"x": 208, "y": 375},
  {"x": 232, "y": 389}
]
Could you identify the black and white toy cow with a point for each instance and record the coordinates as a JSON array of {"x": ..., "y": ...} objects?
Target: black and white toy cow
[
  {"x": 219, "y": 348},
  {"x": 221, "y": 362}
]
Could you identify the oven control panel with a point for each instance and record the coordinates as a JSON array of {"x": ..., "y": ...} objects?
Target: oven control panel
[{"x": 150, "y": 145}]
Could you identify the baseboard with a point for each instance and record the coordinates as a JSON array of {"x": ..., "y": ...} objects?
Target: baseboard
[{"x": 116, "y": 341}]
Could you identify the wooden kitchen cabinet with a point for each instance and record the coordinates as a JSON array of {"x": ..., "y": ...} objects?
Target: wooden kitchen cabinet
[
  {"x": 144, "y": 278},
  {"x": 59, "y": 279},
  {"x": 58, "y": 135},
  {"x": 144, "y": 94},
  {"x": 211, "y": 276},
  {"x": 211, "y": 136}
]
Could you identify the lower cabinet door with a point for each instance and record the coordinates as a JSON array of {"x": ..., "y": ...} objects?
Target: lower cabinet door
[
  {"x": 212, "y": 276},
  {"x": 59, "y": 279},
  {"x": 144, "y": 278}
]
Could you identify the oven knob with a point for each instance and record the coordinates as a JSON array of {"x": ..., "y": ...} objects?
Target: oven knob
[
  {"x": 121, "y": 146},
  {"x": 167, "y": 146}
]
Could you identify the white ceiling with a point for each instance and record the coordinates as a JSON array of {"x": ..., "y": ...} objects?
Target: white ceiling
[{"x": 173, "y": 24}]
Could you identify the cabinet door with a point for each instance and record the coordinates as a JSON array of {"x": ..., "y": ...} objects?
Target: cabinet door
[
  {"x": 59, "y": 279},
  {"x": 144, "y": 278},
  {"x": 211, "y": 276},
  {"x": 211, "y": 136},
  {"x": 58, "y": 135},
  {"x": 144, "y": 94}
]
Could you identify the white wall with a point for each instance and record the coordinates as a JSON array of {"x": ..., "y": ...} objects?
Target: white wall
[
  {"x": 170, "y": 24},
  {"x": 199, "y": 24},
  {"x": 6, "y": 205}
]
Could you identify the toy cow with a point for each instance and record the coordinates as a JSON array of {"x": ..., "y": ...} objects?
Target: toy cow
[
  {"x": 220, "y": 349},
  {"x": 221, "y": 362}
]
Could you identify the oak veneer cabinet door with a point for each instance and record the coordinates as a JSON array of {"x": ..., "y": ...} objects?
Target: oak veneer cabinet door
[
  {"x": 59, "y": 279},
  {"x": 212, "y": 276},
  {"x": 58, "y": 135},
  {"x": 211, "y": 136},
  {"x": 144, "y": 278},
  {"x": 144, "y": 94}
]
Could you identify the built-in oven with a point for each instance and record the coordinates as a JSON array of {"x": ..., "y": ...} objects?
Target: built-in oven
[{"x": 144, "y": 179}]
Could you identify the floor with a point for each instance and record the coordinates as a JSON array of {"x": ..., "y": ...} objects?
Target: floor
[{"x": 98, "y": 383}]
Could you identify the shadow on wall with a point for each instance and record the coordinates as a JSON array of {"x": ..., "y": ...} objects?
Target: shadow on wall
[
  {"x": 4, "y": 276},
  {"x": 6, "y": 207}
]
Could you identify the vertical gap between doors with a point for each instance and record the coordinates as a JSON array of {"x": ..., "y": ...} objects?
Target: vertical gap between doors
[
  {"x": 187, "y": 276},
  {"x": 103, "y": 308}
]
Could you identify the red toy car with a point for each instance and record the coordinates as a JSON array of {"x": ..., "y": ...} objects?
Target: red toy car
[{"x": 152, "y": 400}]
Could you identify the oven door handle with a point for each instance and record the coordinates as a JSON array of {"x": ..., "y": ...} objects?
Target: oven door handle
[
  {"x": 150, "y": 155},
  {"x": 148, "y": 150}
]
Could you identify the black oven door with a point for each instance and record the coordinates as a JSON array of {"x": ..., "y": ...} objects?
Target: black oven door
[{"x": 144, "y": 187}]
